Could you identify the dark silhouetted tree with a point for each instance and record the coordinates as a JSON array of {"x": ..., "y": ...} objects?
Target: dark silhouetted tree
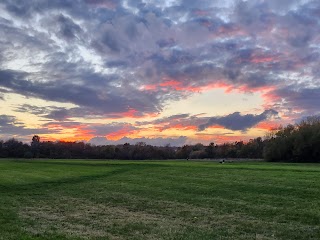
[{"x": 35, "y": 146}]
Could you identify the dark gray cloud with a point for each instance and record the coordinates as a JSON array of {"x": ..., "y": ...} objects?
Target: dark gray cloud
[
  {"x": 50, "y": 112},
  {"x": 171, "y": 118},
  {"x": 110, "y": 40},
  {"x": 117, "y": 64},
  {"x": 236, "y": 121},
  {"x": 303, "y": 99},
  {"x": 85, "y": 96},
  {"x": 178, "y": 121},
  {"x": 244, "y": 14},
  {"x": 10, "y": 126},
  {"x": 164, "y": 119},
  {"x": 68, "y": 29},
  {"x": 32, "y": 109},
  {"x": 6, "y": 120},
  {"x": 59, "y": 114}
]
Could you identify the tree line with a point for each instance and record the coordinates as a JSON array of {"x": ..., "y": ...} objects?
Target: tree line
[
  {"x": 293, "y": 143},
  {"x": 13, "y": 148}
]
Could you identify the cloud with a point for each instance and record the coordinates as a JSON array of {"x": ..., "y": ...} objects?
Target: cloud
[
  {"x": 6, "y": 120},
  {"x": 110, "y": 102},
  {"x": 179, "y": 141},
  {"x": 68, "y": 29},
  {"x": 50, "y": 112},
  {"x": 181, "y": 122},
  {"x": 238, "y": 122},
  {"x": 11, "y": 127},
  {"x": 109, "y": 39},
  {"x": 129, "y": 59},
  {"x": 300, "y": 99},
  {"x": 112, "y": 130},
  {"x": 27, "y": 10},
  {"x": 109, "y": 4}
]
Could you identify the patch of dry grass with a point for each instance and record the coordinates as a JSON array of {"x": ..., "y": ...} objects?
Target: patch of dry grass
[{"x": 82, "y": 218}]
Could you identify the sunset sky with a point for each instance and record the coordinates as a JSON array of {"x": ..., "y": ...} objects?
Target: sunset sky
[{"x": 171, "y": 71}]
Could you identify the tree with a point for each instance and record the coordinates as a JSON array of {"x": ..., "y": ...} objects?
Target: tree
[
  {"x": 35, "y": 145},
  {"x": 14, "y": 148},
  {"x": 210, "y": 150},
  {"x": 184, "y": 152},
  {"x": 295, "y": 143}
]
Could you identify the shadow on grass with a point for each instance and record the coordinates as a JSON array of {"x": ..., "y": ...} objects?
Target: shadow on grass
[
  {"x": 19, "y": 188},
  {"x": 97, "y": 163}
]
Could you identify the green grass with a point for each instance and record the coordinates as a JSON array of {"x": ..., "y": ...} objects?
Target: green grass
[{"x": 84, "y": 199}]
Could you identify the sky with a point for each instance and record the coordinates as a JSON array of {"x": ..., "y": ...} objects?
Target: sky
[{"x": 156, "y": 71}]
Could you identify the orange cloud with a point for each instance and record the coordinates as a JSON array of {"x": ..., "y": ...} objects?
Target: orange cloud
[
  {"x": 270, "y": 96},
  {"x": 228, "y": 88},
  {"x": 150, "y": 87},
  {"x": 175, "y": 126},
  {"x": 267, "y": 125},
  {"x": 216, "y": 127},
  {"x": 68, "y": 133},
  {"x": 219, "y": 139},
  {"x": 76, "y": 138},
  {"x": 125, "y": 132},
  {"x": 183, "y": 127},
  {"x": 172, "y": 84},
  {"x": 131, "y": 113}
]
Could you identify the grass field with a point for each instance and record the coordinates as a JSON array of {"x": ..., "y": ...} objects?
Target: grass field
[{"x": 50, "y": 199}]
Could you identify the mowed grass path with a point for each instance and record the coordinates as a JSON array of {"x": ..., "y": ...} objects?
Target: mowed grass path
[{"x": 84, "y": 199}]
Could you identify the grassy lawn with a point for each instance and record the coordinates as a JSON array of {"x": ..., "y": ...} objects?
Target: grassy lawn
[{"x": 84, "y": 199}]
